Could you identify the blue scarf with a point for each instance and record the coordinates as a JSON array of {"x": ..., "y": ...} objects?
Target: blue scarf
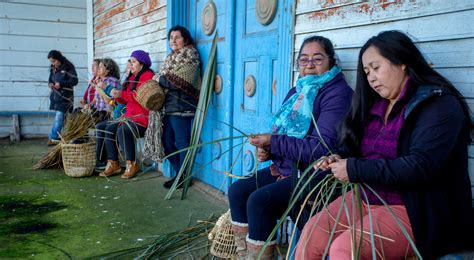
[{"x": 295, "y": 115}]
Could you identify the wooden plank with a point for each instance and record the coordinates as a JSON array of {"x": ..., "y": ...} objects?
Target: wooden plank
[
  {"x": 24, "y": 43},
  {"x": 37, "y": 59},
  {"x": 151, "y": 28},
  {"x": 34, "y": 74},
  {"x": 61, "y": 3},
  {"x": 116, "y": 9},
  {"x": 121, "y": 14},
  {"x": 157, "y": 38},
  {"x": 15, "y": 135},
  {"x": 369, "y": 13},
  {"x": 102, "y": 6},
  {"x": 133, "y": 23},
  {"x": 350, "y": 37},
  {"x": 33, "y": 103},
  {"x": 40, "y": 28},
  {"x": 30, "y": 126},
  {"x": 43, "y": 13}
]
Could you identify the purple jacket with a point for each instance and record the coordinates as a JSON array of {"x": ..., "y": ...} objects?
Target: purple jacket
[{"x": 330, "y": 106}]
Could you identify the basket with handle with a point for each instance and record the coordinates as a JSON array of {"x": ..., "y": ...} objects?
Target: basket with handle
[
  {"x": 78, "y": 159},
  {"x": 151, "y": 95}
]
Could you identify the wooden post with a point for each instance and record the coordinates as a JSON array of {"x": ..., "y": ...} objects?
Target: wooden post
[{"x": 15, "y": 135}]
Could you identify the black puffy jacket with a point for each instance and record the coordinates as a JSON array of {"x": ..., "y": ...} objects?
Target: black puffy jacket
[{"x": 62, "y": 99}]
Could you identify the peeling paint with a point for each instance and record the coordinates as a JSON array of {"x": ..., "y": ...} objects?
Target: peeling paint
[
  {"x": 115, "y": 11},
  {"x": 325, "y": 14},
  {"x": 387, "y": 3},
  {"x": 103, "y": 24}
]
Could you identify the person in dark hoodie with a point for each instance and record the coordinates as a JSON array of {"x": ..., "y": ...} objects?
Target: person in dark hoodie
[
  {"x": 406, "y": 137},
  {"x": 321, "y": 93},
  {"x": 62, "y": 79}
]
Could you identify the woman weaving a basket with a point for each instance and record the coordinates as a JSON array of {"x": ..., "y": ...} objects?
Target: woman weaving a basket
[
  {"x": 131, "y": 125},
  {"x": 180, "y": 77}
]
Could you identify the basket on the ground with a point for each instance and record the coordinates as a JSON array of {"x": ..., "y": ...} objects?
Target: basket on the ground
[
  {"x": 78, "y": 159},
  {"x": 222, "y": 236},
  {"x": 150, "y": 95}
]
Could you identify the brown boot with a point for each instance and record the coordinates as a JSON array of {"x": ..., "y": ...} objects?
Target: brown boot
[
  {"x": 112, "y": 168},
  {"x": 131, "y": 170},
  {"x": 240, "y": 235},
  {"x": 253, "y": 251}
]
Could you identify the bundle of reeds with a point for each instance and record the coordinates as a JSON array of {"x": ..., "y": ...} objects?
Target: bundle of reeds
[
  {"x": 179, "y": 243},
  {"x": 76, "y": 127}
]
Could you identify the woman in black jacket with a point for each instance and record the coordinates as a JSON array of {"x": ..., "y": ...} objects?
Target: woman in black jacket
[
  {"x": 62, "y": 79},
  {"x": 406, "y": 138}
]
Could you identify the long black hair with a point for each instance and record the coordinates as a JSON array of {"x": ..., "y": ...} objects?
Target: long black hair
[
  {"x": 133, "y": 84},
  {"x": 325, "y": 43},
  {"x": 188, "y": 40},
  {"x": 398, "y": 49},
  {"x": 57, "y": 55}
]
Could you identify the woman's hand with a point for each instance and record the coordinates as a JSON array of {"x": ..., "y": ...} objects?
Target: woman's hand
[
  {"x": 56, "y": 85},
  {"x": 325, "y": 161},
  {"x": 339, "y": 170},
  {"x": 116, "y": 93},
  {"x": 260, "y": 140},
  {"x": 50, "y": 85},
  {"x": 263, "y": 154}
]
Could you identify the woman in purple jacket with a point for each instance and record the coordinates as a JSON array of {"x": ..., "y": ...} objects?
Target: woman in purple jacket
[
  {"x": 406, "y": 138},
  {"x": 321, "y": 93}
]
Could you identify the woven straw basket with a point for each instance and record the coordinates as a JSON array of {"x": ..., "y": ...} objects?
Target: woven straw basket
[
  {"x": 222, "y": 236},
  {"x": 78, "y": 159},
  {"x": 151, "y": 95}
]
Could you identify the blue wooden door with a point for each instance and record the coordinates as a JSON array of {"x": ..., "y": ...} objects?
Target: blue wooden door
[
  {"x": 259, "y": 84},
  {"x": 214, "y": 157},
  {"x": 245, "y": 47}
]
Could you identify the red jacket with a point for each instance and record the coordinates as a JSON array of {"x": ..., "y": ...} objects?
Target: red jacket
[
  {"x": 89, "y": 91},
  {"x": 133, "y": 110}
]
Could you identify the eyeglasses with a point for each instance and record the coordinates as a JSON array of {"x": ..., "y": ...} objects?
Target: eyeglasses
[{"x": 316, "y": 61}]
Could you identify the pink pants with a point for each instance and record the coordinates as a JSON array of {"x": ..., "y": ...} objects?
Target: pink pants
[{"x": 389, "y": 241}]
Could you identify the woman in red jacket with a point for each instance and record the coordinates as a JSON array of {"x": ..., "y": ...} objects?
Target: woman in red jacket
[{"x": 132, "y": 124}]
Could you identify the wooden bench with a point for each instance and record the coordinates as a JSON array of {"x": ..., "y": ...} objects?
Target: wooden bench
[{"x": 15, "y": 134}]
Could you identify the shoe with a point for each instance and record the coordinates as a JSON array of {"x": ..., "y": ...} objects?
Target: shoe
[
  {"x": 131, "y": 170},
  {"x": 112, "y": 168},
  {"x": 100, "y": 166},
  {"x": 52, "y": 142},
  {"x": 170, "y": 182}
]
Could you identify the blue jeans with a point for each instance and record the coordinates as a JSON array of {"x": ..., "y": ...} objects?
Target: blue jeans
[
  {"x": 57, "y": 125},
  {"x": 176, "y": 136},
  {"x": 259, "y": 201}
]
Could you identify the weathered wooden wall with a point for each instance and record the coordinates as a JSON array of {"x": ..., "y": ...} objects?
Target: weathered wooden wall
[
  {"x": 29, "y": 29},
  {"x": 443, "y": 30},
  {"x": 121, "y": 27}
]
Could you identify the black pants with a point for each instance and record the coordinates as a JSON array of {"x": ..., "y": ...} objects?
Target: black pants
[
  {"x": 259, "y": 201},
  {"x": 109, "y": 132}
]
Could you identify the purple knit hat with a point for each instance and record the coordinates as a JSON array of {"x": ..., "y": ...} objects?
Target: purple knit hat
[{"x": 142, "y": 56}]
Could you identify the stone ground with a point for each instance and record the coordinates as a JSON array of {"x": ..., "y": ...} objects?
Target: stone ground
[{"x": 45, "y": 214}]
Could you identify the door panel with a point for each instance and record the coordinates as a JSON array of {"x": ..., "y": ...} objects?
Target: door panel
[
  {"x": 256, "y": 54},
  {"x": 245, "y": 48}
]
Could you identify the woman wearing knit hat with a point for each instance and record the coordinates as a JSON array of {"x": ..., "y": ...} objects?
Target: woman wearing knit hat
[
  {"x": 180, "y": 76},
  {"x": 132, "y": 124}
]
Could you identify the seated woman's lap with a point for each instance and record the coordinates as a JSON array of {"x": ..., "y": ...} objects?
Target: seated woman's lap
[
  {"x": 316, "y": 233},
  {"x": 259, "y": 201}
]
